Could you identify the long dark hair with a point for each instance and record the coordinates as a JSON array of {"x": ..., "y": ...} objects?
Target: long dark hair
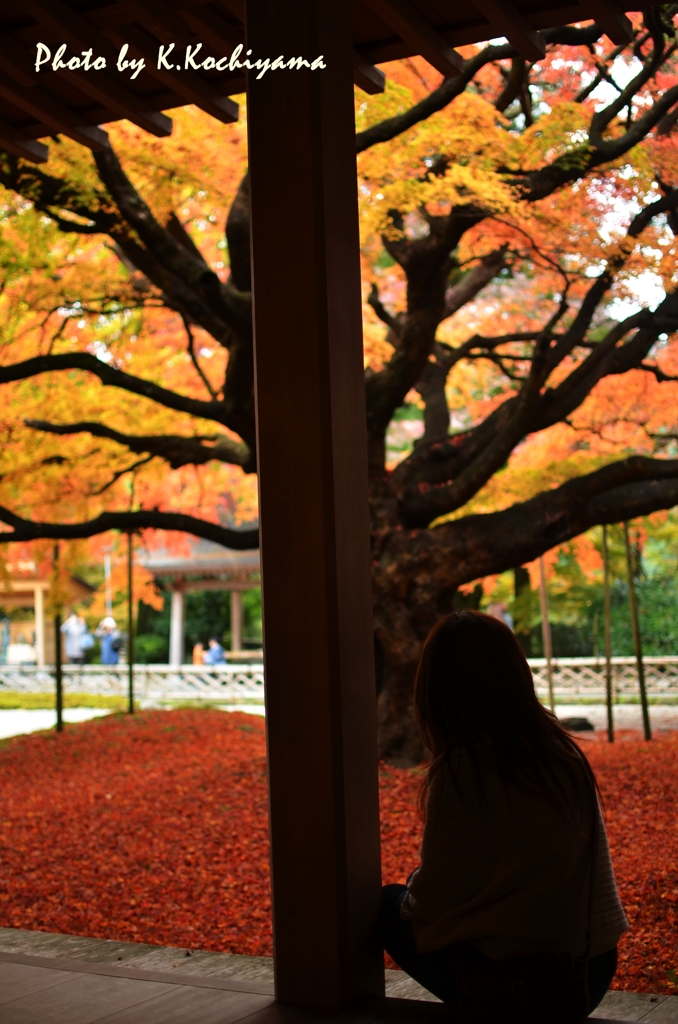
[{"x": 474, "y": 692}]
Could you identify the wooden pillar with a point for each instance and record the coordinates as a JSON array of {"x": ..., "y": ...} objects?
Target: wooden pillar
[
  {"x": 546, "y": 630},
  {"x": 39, "y": 608},
  {"x": 637, "y": 639},
  {"x": 609, "y": 695},
  {"x": 58, "y": 666},
  {"x": 236, "y": 620},
  {"x": 318, "y": 648},
  {"x": 130, "y": 623},
  {"x": 176, "y": 644}
]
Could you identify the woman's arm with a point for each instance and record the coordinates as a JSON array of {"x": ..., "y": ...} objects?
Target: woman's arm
[{"x": 461, "y": 846}]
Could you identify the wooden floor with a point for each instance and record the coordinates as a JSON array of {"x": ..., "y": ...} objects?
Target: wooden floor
[
  {"x": 33, "y": 991},
  {"x": 60, "y": 979}
]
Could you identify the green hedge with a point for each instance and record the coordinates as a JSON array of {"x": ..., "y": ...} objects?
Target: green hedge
[{"x": 10, "y": 700}]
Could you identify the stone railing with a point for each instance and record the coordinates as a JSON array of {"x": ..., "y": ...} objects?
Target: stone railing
[
  {"x": 574, "y": 680},
  {"x": 583, "y": 679},
  {"x": 231, "y": 684}
]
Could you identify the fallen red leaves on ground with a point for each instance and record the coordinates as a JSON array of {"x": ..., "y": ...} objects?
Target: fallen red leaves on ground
[
  {"x": 147, "y": 828},
  {"x": 152, "y": 828},
  {"x": 639, "y": 783}
]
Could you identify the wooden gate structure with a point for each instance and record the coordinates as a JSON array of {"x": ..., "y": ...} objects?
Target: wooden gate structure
[{"x": 324, "y": 812}]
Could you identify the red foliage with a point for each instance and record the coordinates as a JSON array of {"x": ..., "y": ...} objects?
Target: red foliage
[
  {"x": 149, "y": 828},
  {"x": 639, "y": 781},
  {"x": 153, "y": 829}
]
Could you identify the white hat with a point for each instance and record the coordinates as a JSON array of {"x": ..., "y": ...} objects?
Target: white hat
[{"x": 108, "y": 621}]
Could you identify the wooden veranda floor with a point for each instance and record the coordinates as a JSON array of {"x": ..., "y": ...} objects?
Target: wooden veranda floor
[{"x": 60, "y": 979}]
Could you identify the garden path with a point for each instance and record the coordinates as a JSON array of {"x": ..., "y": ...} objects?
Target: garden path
[
  {"x": 626, "y": 716},
  {"x": 18, "y": 722},
  {"x": 21, "y": 721}
]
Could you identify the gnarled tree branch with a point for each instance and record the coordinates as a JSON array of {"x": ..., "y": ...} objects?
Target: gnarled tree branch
[
  {"x": 26, "y": 529},
  {"x": 453, "y": 87},
  {"x": 111, "y": 376},
  {"x": 173, "y": 448},
  {"x": 473, "y": 282},
  {"x": 474, "y": 546}
]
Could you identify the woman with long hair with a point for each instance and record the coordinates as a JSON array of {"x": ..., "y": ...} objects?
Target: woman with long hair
[{"x": 513, "y": 908}]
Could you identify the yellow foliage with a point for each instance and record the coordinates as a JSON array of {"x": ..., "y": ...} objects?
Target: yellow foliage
[
  {"x": 404, "y": 174},
  {"x": 563, "y": 131}
]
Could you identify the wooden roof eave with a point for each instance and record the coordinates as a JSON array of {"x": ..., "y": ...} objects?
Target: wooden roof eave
[{"x": 74, "y": 102}]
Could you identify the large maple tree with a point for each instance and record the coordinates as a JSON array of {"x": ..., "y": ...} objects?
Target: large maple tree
[{"x": 515, "y": 221}]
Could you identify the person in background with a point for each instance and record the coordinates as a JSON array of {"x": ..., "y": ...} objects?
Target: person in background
[
  {"x": 75, "y": 630},
  {"x": 499, "y": 610},
  {"x": 198, "y": 654},
  {"x": 214, "y": 655},
  {"x": 110, "y": 640}
]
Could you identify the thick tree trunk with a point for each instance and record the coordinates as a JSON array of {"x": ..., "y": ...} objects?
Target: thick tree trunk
[
  {"x": 522, "y": 608},
  {"x": 417, "y": 573},
  {"x": 399, "y": 738},
  {"x": 408, "y": 601}
]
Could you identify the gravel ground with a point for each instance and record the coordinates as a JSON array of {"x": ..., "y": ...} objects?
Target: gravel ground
[
  {"x": 626, "y": 716},
  {"x": 15, "y": 722}
]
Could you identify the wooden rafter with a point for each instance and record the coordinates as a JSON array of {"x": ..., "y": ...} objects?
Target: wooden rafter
[
  {"x": 187, "y": 84},
  {"x": 236, "y": 7},
  {"x": 75, "y": 102},
  {"x": 613, "y": 22},
  {"x": 211, "y": 26},
  {"x": 411, "y": 26},
  {"x": 159, "y": 17},
  {"x": 508, "y": 21},
  {"x": 49, "y": 111},
  {"x": 104, "y": 87},
  {"x": 366, "y": 76},
  {"x": 27, "y": 149},
  {"x": 14, "y": 60}
]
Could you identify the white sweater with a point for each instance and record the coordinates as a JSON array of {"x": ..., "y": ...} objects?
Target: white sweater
[{"x": 509, "y": 874}]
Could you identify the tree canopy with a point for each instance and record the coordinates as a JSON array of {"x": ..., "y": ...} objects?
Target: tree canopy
[{"x": 521, "y": 302}]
